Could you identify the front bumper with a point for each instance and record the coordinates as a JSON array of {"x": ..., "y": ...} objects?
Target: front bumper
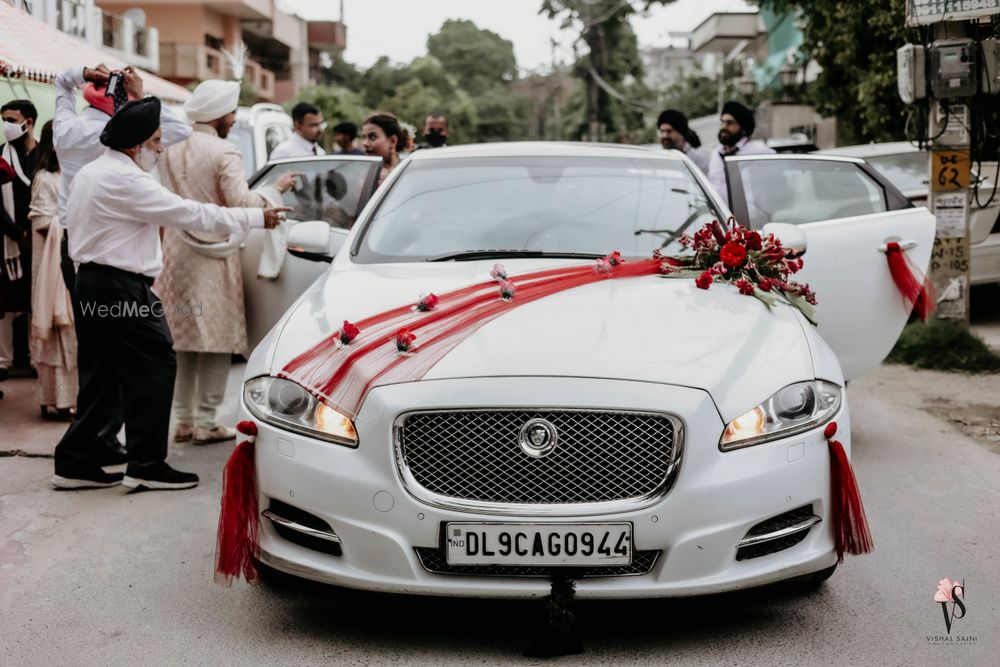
[{"x": 714, "y": 501}]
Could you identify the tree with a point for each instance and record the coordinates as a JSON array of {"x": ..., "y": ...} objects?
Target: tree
[
  {"x": 477, "y": 58},
  {"x": 411, "y": 101},
  {"x": 612, "y": 69},
  {"x": 336, "y": 102},
  {"x": 855, "y": 43}
]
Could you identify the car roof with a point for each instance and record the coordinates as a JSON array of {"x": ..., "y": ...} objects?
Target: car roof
[
  {"x": 873, "y": 149},
  {"x": 542, "y": 149}
]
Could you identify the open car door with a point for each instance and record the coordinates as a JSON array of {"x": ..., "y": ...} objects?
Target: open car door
[
  {"x": 848, "y": 213},
  {"x": 332, "y": 188}
]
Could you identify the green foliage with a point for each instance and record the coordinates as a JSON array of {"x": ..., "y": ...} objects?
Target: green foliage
[
  {"x": 477, "y": 58},
  {"x": 855, "y": 43},
  {"x": 613, "y": 57},
  {"x": 945, "y": 346}
]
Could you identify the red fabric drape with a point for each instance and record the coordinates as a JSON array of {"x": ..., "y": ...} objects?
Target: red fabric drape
[
  {"x": 850, "y": 525},
  {"x": 914, "y": 287},
  {"x": 237, "y": 543}
]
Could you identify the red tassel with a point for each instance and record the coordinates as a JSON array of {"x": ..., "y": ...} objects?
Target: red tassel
[
  {"x": 850, "y": 526},
  {"x": 916, "y": 289},
  {"x": 237, "y": 542}
]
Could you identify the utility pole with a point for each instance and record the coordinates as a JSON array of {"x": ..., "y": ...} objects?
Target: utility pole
[{"x": 950, "y": 71}]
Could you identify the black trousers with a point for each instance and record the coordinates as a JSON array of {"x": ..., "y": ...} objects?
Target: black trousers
[
  {"x": 125, "y": 357},
  {"x": 108, "y": 435}
]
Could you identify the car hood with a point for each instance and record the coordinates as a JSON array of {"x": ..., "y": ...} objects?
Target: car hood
[{"x": 647, "y": 329}]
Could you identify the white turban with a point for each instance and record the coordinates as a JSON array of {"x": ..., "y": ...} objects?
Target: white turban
[{"x": 212, "y": 99}]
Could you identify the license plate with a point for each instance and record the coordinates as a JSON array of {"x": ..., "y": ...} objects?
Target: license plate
[{"x": 538, "y": 544}]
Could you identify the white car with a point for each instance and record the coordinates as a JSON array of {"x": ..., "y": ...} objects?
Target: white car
[
  {"x": 258, "y": 131},
  {"x": 906, "y": 167},
  {"x": 439, "y": 486}
]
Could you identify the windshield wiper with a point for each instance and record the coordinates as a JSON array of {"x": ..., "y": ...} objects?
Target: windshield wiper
[{"x": 471, "y": 255}]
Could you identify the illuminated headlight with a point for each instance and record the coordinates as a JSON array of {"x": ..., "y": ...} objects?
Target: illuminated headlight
[
  {"x": 796, "y": 408},
  {"x": 287, "y": 405}
]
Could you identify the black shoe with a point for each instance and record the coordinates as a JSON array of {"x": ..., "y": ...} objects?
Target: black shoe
[
  {"x": 112, "y": 456},
  {"x": 159, "y": 476},
  {"x": 4, "y": 374},
  {"x": 84, "y": 477}
]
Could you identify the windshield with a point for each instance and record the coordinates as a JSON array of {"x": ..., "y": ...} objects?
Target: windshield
[
  {"x": 587, "y": 205},
  {"x": 907, "y": 171}
]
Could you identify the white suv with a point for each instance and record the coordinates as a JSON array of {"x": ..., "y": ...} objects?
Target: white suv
[{"x": 257, "y": 131}]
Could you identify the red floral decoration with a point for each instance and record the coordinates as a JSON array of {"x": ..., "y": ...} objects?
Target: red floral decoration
[
  {"x": 507, "y": 290},
  {"x": 498, "y": 272},
  {"x": 404, "y": 340},
  {"x": 615, "y": 258},
  {"x": 427, "y": 303},
  {"x": 348, "y": 332},
  {"x": 757, "y": 265}
]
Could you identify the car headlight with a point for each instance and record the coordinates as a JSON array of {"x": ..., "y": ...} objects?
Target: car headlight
[
  {"x": 288, "y": 405},
  {"x": 794, "y": 409}
]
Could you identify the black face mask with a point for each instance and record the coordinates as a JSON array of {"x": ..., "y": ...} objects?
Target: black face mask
[{"x": 435, "y": 138}]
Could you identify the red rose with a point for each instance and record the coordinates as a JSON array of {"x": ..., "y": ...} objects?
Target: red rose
[
  {"x": 746, "y": 287},
  {"x": 704, "y": 280},
  {"x": 348, "y": 332},
  {"x": 507, "y": 290},
  {"x": 765, "y": 284},
  {"x": 733, "y": 254},
  {"x": 404, "y": 340},
  {"x": 753, "y": 240},
  {"x": 427, "y": 303},
  {"x": 614, "y": 258}
]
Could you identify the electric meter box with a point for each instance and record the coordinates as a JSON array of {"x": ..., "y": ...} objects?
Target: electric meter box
[
  {"x": 911, "y": 68},
  {"x": 953, "y": 68}
]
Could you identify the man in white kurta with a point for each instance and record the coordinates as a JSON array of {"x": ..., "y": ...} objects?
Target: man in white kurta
[
  {"x": 198, "y": 276},
  {"x": 736, "y": 126},
  {"x": 125, "y": 349}
]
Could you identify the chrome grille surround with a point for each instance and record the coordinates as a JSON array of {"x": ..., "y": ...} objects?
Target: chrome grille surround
[
  {"x": 578, "y": 478},
  {"x": 432, "y": 561}
]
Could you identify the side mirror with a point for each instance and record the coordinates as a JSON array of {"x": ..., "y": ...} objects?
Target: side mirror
[
  {"x": 791, "y": 236},
  {"x": 313, "y": 240}
]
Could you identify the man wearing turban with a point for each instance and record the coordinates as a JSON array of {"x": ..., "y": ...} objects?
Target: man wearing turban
[
  {"x": 125, "y": 349},
  {"x": 736, "y": 127},
  {"x": 675, "y": 134},
  {"x": 203, "y": 270},
  {"x": 76, "y": 138}
]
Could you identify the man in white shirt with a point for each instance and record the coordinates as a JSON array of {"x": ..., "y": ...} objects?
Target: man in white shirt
[
  {"x": 76, "y": 138},
  {"x": 309, "y": 126},
  {"x": 736, "y": 126},
  {"x": 125, "y": 348}
]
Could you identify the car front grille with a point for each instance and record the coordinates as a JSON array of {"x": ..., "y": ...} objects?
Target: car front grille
[
  {"x": 474, "y": 455},
  {"x": 433, "y": 561}
]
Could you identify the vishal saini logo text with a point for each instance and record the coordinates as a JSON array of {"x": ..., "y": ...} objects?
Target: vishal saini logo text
[{"x": 950, "y": 595}]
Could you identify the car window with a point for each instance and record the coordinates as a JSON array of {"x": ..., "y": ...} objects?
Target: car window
[
  {"x": 907, "y": 171},
  {"x": 274, "y": 135},
  {"x": 591, "y": 205},
  {"x": 243, "y": 138},
  {"x": 801, "y": 191},
  {"x": 327, "y": 190}
]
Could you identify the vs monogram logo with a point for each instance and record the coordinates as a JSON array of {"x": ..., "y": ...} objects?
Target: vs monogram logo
[{"x": 951, "y": 592}]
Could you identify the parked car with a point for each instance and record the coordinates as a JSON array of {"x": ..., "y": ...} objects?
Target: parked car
[
  {"x": 258, "y": 130},
  {"x": 639, "y": 385},
  {"x": 906, "y": 167}
]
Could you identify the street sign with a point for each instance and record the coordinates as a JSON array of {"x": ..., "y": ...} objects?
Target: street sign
[
  {"x": 950, "y": 170},
  {"x": 924, "y": 12}
]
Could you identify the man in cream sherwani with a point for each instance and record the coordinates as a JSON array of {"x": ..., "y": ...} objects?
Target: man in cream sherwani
[{"x": 201, "y": 284}]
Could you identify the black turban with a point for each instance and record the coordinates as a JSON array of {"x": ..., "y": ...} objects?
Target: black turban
[
  {"x": 674, "y": 119},
  {"x": 132, "y": 124},
  {"x": 742, "y": 115}
]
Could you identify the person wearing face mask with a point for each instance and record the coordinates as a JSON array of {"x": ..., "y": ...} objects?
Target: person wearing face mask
[
  {"x": 435, "y": 130},
  {"x": 19, "y": 152},
  {"x": 125, "y": 350},
  {"x": 736, "y": 127},
  {"x": 52, "y": 338},
  {"x": 308, "y": 125},
  {"x": 201, "y": 270}
]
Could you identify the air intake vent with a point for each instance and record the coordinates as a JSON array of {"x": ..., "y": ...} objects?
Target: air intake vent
[
  {"x": 433, "y": 561},
  {"x": 302, "y": 528},
  {"x": 777, "y": 534}
]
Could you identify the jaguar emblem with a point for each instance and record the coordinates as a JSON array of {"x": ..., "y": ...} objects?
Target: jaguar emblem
[{"x": 538, "y": 437}]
